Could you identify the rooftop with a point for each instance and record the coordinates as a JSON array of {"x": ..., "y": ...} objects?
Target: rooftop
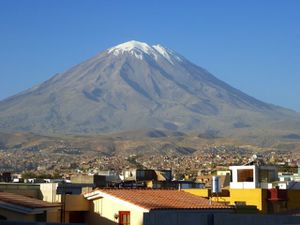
[
  {"x": 27, "y": 202},
  {"x": 152, "y": 199}
]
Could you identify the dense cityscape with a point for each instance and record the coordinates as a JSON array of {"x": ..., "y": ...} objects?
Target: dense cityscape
[
  {"x": 149, "y": 112},
  {"x": 204, "y": 161}
]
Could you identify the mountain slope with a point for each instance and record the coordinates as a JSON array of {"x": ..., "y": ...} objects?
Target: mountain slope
[{"x": 137, "y": 86}]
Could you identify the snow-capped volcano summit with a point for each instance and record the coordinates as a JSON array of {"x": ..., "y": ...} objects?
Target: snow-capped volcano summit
[
  {"x": 139, "y": 49},
  {"x": 131, "y": 46},
  {"x": 136, "y": 86}
]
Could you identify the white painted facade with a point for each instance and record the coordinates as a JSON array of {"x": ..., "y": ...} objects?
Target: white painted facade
[
  {"x": 48, "y": 191},
  {"x": 104, "y": 208},
  {"x": 235, "y": 184},
  {"x": 256, "y": 182}
]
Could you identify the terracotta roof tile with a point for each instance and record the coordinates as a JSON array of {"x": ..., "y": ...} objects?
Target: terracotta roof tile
[
  {"x": 21, "y": 200},
  {"x": 164, "y": 199}
]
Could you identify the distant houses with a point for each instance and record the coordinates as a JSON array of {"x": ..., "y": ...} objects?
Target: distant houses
[{"x": 253, "y": 193}]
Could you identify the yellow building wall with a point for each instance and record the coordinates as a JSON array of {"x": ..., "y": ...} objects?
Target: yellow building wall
[
  {"x": 251, "y": 197},
  {"x": 203, "y": 192},
  {"x": 102, "y": 211}
]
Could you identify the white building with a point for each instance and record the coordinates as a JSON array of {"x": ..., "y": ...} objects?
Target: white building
[
  {"x": 252, "y": 176},
  {"x": 149, "y": 206}
]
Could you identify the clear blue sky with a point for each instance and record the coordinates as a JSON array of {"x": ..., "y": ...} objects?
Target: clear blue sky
[{"x": 252, "y": 45}]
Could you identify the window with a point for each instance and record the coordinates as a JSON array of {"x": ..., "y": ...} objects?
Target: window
[
  {"x": 124, "y": 218},
  {"x": 245, "y": 175}
]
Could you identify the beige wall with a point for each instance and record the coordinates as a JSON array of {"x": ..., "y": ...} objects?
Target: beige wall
[
  {"x": 48, "y": 192},
  {"x": 82, "y": 179},
  {"x": 76, "y": 203},
  {"x": 102, "y": 212},
  {"x": 73, "y": 203},
  {"x": 53, "y": 217}
]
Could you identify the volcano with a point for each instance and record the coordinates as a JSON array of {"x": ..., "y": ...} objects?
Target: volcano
[{"x": 136, "y": 86}]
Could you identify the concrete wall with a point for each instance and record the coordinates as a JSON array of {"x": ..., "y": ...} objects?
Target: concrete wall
[
  {"x": 183, "y": 217},
  {"x": 29, "y": 190},
  {"x": 255, "y": 220},
  {"x": 76, "y": 203},
  {"x": 204, "y": 218},
  {"x": 103, "y": 210}
]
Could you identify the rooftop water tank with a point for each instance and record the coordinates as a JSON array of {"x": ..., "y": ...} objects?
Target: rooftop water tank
[{"x": 216, "y": 185}]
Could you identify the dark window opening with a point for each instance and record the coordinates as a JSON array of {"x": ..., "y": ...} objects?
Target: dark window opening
[{"x": 245, "y": 175}]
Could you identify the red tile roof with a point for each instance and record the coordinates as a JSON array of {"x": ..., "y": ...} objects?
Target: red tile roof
[
  {"x": 21, "y": 200},
  {"x": 163, "y": 199}
]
